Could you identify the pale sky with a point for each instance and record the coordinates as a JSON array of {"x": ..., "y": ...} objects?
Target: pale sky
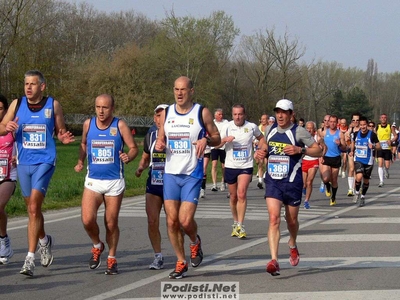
[{"x": 346, "y": 31}]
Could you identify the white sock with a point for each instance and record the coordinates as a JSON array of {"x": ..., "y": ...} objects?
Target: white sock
[
  {"x": 380, "y": 173},
  {"x": 350, "y": 180}
]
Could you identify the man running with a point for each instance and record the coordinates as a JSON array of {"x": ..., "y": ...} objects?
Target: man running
[
  {"x": 285, "y": 146},
  {"x": 334, "y": 144},
  {"x": 362, "y": 149},
  {"x": 384, "y": 132}
]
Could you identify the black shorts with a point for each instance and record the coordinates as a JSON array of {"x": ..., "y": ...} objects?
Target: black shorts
[
  {"x": 333, "y": 162},
  {"x": 366, "y": 170},
  {"x": 231, "y": 175},
  {"x": 385, "y": 154},
  {"x": 218, "y": 153}
]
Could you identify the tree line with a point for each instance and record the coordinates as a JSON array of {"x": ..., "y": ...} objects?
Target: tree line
[{"x": 84, "y": 52}]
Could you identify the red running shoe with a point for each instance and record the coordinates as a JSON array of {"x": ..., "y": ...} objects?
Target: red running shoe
[
  {"x": 294, "y": 256},
  {"x": 273, "y": 268}
]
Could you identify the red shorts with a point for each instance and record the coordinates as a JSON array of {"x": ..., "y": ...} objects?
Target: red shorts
[{"x": 309, "y": 164}]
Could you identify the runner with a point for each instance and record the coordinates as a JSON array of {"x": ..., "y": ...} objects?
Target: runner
[{"x": 362, "y": 148}]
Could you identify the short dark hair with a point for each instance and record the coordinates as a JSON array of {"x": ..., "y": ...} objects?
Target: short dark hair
[
  {"x": 3, "y": 100},
  {"x": 239, "y": 106}
]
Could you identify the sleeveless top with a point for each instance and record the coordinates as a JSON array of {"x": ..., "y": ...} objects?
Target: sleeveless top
[
  {"x": 383, "y": 134},
  {"x": 329, "y": 140},
  {"x": 103, "y": 147},
  {"x": 281, "y": 166},
  {"x": 362, "y": 152},
  {"x": 34, "y": 136},
  {"x": 157, "y": 159},
  {"x": 181, "y": 131},
  {"x": 7, "y": 171}
]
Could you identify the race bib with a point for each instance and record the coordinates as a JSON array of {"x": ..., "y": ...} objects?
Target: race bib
[
  {"x": 361, "y": 151},
  {"x": 240, "y": 153},
  {"x": 3, "y": 168},
  {"x": 179, "y": 143},
  {"x": 34, "y": 136},
  {"x": 384, "y": 145},
  {"x": 102, "y": 152},
  {"x": 157, "y": 172},
  {"x": 278, "y": 166}
]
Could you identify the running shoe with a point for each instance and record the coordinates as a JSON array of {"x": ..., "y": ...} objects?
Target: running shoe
[
  {"x": 356, "y": 197},
  {"x": 350, "y": 193},
  {"x": 6, "y": 252},
  {"x": 202, "y": 193},
  {"x": 95, "y": 260},
  {"x": 180, "y": 270},
  {"x": 322, "y": 187},
  {"x": 343, "y": 175},
  {"x": 228, "y": 195},
  {"x": 222, "y": 187},
  {"x": 241, "y": 232},
  {"x": 304, "y": 191},
  {"x": 196, "y": 253},
  {"x": 28, "y": 267},
  {"x": 112, "y": 266},
  {"x": 387, "y": 174},
  {"x": 328, "y": 192},
  {"x": 214, "y": 188},
  {"x": 273, "y": 268},
  {"x": 158, "y": 263},
  {"x": 235, "y": 232},
  {"x": 260, "y": 185},
  {"x": 332, "y": 202},
  {"x": 306, "y": 205},
  {"x": 381, "y": 184},
  {"x": 294, "y": 256},
  {"x": 362, "y": 201},
  {"x": 46, "y": 257}
]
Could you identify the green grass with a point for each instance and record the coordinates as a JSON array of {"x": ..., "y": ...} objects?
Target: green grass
[{"x": 66, "y": 186}]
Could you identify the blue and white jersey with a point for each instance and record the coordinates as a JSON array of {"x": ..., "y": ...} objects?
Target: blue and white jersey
[
  {"x": 34, "y": 136},
  {"x": 181, "y": 131},
  {"x": 103, "y": 147},
  {"x": 280, "y": 166},
  {"x": 329, "y": 140},
  {"x": 362, "y": 152}
]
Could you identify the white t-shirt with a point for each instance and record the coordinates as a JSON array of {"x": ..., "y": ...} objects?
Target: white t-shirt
[{"x": 239, "y": 153}]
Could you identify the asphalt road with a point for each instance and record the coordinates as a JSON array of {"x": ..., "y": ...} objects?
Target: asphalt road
[{"x": 346, "y": 252}]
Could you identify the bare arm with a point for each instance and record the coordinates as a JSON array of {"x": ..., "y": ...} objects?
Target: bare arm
[
  {"x": 129, "y": 142},
  {"x": 82, "y": 147},
  {"x": 63, "y": 135},
  {"x": 8, "y": 124},
  {"x": 143, "y": 164}
]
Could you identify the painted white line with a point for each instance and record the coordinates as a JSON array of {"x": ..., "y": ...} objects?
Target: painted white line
[
  {"x": 322, "y": 295},
  {"x": 362, "y": 221},
  {"x": 307, "y": 263},
  {"x": 215, "y": 257}
]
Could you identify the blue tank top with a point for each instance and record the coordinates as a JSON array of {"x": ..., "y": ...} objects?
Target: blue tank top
[
  {"x": 329, "y": 140},
  {"x": 103, "y": 147},
  {"x": 362, "y": 152},
  {"x": 34, "y": 136},
  {"x": 286, "y": 168}
]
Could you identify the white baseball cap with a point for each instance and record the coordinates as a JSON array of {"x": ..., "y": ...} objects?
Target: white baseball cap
[
  {"x": 160, "y": 107},
  {"x": 284, "y": 104}
]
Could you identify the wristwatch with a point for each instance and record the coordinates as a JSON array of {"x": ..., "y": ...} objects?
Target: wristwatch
[
  {"x": 303, "y": 150},
  {"x": 208, "y": 140}
]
